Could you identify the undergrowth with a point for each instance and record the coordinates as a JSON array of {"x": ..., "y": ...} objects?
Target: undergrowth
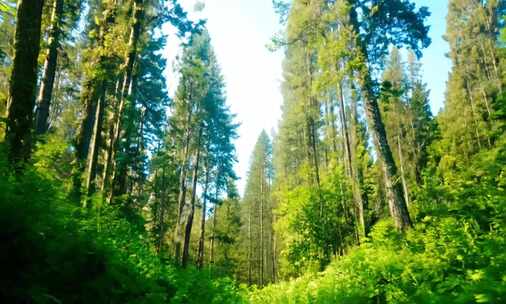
[
  {"x": 456, "y": 253},
  {"x": 54, "y": 251}
]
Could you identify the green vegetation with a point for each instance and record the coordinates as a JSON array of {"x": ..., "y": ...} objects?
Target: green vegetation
[
  {"x": 53, "y": 251},
  {"x": 112, "y": 191},
  {"x": 454, "y": 254}
]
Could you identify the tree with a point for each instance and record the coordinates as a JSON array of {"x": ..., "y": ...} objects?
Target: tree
[
  {"x": 202, "y": 128},
  {"x": 136, "y": 25},
  {"x": 187, "y": 117},
  {"x": 7, "y": 31},
  {"x": 48, "y": 75},
  {"x": 372, "y": 25},
  {"x": 23, "y": 80},
  {"x": 468, "y": 122},
  {"x": 259, "y": 214}
]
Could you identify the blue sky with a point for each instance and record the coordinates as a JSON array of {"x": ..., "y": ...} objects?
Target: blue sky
[{"x": 240, "y": 29}]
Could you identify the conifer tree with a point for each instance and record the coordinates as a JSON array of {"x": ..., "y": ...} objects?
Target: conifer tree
[
  {"x": 259, "y": 213},
  {"x": 49, "y": 73},
  {"x": 468, "y": 121},
  {"x": 23, "y": 81}
]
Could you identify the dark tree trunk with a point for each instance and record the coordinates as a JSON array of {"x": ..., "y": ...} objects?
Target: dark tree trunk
[
  {"x": 48, "y": 76},
  {"x": 23, "y": 81},
  {"x": 89, "y": 97},
  {"x": 189, "y": 222}
]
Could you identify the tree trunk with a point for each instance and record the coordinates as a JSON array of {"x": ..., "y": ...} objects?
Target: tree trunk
[
  {"x": 262, "y": 249},
  {"x": 357, "y": 197},
  {"x": 89, "y": 97},
  {"x": 273, "y": 253},
  {"x": 215, "y": 219},
  {"x": 48, "y": 76},
  {"x": 398, "y": 208},
  {"x": 189, "y": 222},
  {"x": 250, "y": 248},
  {"x": 23, "y": 81},
  {"x": 107, "y": 163},
  {"x": 182, "y": 186},
  {"x": 90, "y": 185},
  {"x": 358, "y": 172},
  {"x": 330, "y": 121},
  {"x": 93, "y": 85},
  {"x": 401, "y": 167},
  {"x": 161, "y": 212},
  {"x": 200, "y": 256}
]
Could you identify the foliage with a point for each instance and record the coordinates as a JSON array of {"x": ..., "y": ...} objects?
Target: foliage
[
  {"x": 119, "y": 173},
  {"x": 454, "y": 254},
  {"x": 55, "y": 252}
]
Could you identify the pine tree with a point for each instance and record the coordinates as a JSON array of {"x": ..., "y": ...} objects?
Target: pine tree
[
  {"x": 202, "y": 128},
  {"x": 258, "y": 203}
]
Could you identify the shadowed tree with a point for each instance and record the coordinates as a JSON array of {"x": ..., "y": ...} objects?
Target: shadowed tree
[{"x": 23, "y": 80}]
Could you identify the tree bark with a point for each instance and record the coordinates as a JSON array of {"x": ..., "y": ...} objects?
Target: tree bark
[
  {"x": 398, "y": 209},
  {"x": 107, "y": 163},
  {"x": 89, "y": 97},
  {"x": 23, "y": 81},
  {"x": 48, "y": 76}
]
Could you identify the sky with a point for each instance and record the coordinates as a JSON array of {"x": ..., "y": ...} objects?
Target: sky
[{"x": 240, "y": 30}]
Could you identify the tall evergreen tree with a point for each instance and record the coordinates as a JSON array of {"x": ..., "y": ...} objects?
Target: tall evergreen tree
[
  {"x": 23, "y": 80},
  {"x": 468, "y": 121},
  {"x": 258, "y": 209},
  {"x": 49, "y": 73}
]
